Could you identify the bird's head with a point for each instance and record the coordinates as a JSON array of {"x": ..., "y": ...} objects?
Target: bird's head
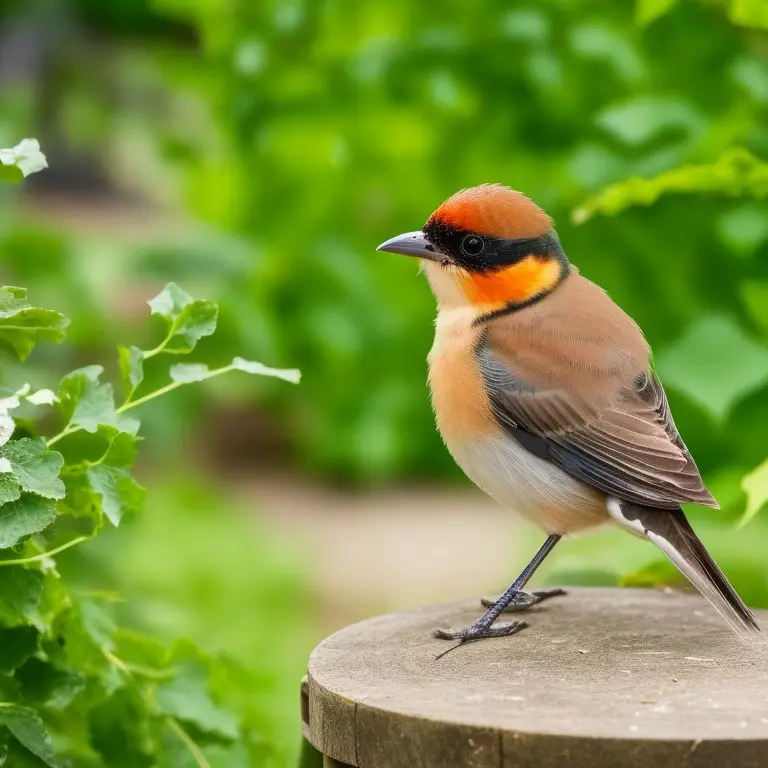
[{"x": 487, "y": 246}]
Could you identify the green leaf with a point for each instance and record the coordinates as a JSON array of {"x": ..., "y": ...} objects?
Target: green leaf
[
  {"x": 36, "y": 466},
  {"x": 186, "y": 373},
  {"x": 25, "y": 724},
  {"x": 193, "y": 323},
  {"x": 28, "y": 514},
  {"x": 25, "y": 158},
  {"x": 131, "y": 362},
  {"x": 88, "y": 403},
  {"x": 291, "y": 375},
  {"x": 647, "y": 11},
  {"x": 715, "y": 364},
  {"x": 16, "y": 646},
  {"x": 10, "y": 490},
  {"x": 755, "y": 485},
  {"x": 736, "y": 173},
  {"x": 187, "y": 699},
  {"x": 120, "y": 730},
  {"x": 744, "y": 228},
  {"x": 122, "y": 450},
  {"x": 20, "y": 591},
  {"x": 22, "y": 325},
  {"x": 749, "y": 13},
  {"x": 120, "y": 493},
  {"x": 97, "y": 623},
  {"x": 169, "y": 302},
  {"x": 188, "y": 321},
  {"x": 642, "y": 118},
  {"x": 42, "y": 397},
  {"x": 45, "y": 684},
  {"x": 143, "y": 654}
]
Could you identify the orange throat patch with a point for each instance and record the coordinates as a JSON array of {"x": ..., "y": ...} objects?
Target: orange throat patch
[{"x": 516, "y": 284}]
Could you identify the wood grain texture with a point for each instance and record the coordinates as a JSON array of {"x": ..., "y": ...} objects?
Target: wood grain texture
[{"x": 603, "y": 677}]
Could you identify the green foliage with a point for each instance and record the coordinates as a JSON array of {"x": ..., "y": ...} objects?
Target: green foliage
[
  {"x": 22, "y": 325},
  {"x": 716, "y": 364},
  {"x": 736, "y": 173},
  {"x": 76, "y": 689},
  {"x": 755, "y": 485}
]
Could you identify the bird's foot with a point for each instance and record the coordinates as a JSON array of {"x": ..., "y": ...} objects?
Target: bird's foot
[
  {"x": 522, "y": 601},
  {"x": 480, "y": 630}
]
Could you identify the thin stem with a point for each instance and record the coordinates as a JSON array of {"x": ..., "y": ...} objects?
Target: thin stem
[
  {"x": 126, "y": 406},
  {"x": 68, "y": 430},
  {"x": 174, "y": 724},
  {"x": 194, "y": 750},
  {"x": 170, "y": 387},
  {"x": 43, "y": 555},
  {"x": 151, "y": 396}
]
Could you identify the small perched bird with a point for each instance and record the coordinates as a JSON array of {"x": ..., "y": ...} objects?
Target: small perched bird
[{"x": 544, "y": 393}]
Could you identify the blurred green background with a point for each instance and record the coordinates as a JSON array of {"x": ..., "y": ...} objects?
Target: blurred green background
[{"x": 256, "y": 154}]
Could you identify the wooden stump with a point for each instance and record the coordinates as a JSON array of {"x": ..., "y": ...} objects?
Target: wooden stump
[{"x": 601, "y": 678}]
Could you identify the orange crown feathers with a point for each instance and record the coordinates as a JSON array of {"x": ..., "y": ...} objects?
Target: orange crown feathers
[{"x": 494, "y": 210}]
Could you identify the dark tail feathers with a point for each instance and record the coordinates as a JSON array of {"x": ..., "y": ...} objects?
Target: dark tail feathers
[{"x": 671, "y": 532}]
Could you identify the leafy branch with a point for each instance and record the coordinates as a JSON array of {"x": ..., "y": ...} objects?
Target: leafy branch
[
  {"x": 187, "y": 322},
  {"x": 736, "y": 173},
  {"x": 73, "y": 685}
]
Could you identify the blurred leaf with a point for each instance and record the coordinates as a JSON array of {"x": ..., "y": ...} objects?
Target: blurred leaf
[
  {"x": 656, "y": 573},
  {"x": 36, "y": 466},
  {"x": 88, "y": 403},
  {"x": 737, "y": 172},
  {"x": 47, "y": 685},
  {"x": 744, "y": 227},
  {"x": 25, "y": 724},
  {"x": 187, "y": 698},
  {"x": 131, "y": 362},
  {"x": 120, "y": 730},
  {"x": 28, "y": 514},
  {"x": 755, "y": 294},
  {"x": 16, "y": 646},
  {"x": 169, "y": 302},
  {"x": 186, "y": 373},
  {"x": 648, "y": 11},
  {"x": 20, "y": 590},
  {"x": 42, "y": 397},
  {"x": 21, "y": 325},
  {"x": 642, "y": 118},
  {"x": 23, "y": 159},
  {"x": 755, "y": 485},
  {"x": 120, "y": 493},
  {"x": 715, "y": 364},
  {"x": 749, "y": 13}
]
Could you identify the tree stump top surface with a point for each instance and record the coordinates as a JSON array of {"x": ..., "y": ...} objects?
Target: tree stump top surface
[{"x": 601, "y": 677}]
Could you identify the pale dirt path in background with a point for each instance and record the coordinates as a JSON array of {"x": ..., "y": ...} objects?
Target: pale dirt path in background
[{"x": 371, "y": 552}]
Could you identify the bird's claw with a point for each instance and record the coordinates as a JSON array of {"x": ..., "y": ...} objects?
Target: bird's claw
[
  {"x": 525, "y": 600},
  {"x": 477, "y": 632}
]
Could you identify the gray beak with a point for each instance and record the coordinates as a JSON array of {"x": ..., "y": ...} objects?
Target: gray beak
[{"x": 411, "y": 244}]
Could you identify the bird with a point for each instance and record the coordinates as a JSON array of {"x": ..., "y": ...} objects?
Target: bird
[{"x": 545, "y": 395}]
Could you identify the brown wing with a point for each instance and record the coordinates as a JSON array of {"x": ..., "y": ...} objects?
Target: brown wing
[{"x": 570, "y": 379}]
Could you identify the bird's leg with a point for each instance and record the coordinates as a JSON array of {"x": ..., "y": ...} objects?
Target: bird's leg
[
  {"x": 525, "y": 600},
  {"x": 483, "y": 628}
]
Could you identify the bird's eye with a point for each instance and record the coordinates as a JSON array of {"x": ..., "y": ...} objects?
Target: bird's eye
[{"x": 472, "y": 245}]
